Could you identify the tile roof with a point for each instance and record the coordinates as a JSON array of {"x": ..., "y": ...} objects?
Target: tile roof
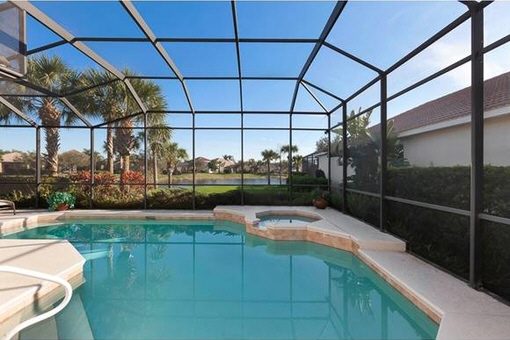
[
  {"x": 454, "y": 105},
  {"x": 11, "y": 157}
]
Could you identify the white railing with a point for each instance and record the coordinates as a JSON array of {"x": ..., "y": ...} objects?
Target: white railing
[{"x": 44, "y": 316}]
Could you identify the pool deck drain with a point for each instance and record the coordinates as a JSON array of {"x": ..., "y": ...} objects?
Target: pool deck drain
[{"x": 463, "y": 313}]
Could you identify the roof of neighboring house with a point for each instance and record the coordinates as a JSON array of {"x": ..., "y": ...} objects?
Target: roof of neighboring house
[
  {"x": 198, "y": 161},
  {"x": 455, "y": 105},
  {"x": 224, "y": 162},
  {"x": 11, "y": 157}
]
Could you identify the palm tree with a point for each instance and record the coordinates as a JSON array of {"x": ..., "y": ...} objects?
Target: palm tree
[
  {"x": 98, "y": 158},
  {"x": 52, "y": 73},
  {"x": 172, "y": 155},
  {"x": 107, "y": 102},
  {"x": 114, "y": 101},
  {"x": 213, "y": 165},
  {"x": 158, "y": 136},
  {"x": 6, "y": 115},
  {"x": 151, "y": 95},
  {"x": 268, "y": 156},
  {"x": 297, "y": 162},
  {"x": 251, "y": 164},
  {"x": 228, "y": 157},
  {"x": 286, "y": 149}
]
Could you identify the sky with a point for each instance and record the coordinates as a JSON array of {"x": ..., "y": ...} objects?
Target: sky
[{"x": 378, "y": 32}]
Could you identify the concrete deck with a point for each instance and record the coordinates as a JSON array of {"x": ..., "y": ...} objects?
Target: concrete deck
[
  {"x": 17, "y": 292},
  {"x": 462, "y": 312}
]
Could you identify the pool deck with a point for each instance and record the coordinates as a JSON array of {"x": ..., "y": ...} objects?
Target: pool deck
[{"x": 463, "y": 313}]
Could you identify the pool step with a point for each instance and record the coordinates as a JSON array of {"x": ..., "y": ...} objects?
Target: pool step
[
  {"x": 73, "y": 322},
  {"x": 46, "y": 330}
]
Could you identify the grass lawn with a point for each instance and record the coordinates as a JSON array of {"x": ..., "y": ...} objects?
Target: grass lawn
[
  {"x": 252, "y": 189},
  {"x": 205, "y": 176}
]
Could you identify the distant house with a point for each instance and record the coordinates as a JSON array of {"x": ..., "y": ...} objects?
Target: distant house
[
  {"x": 438, "y": 132},
  {"x": 224, "y": 165},
  {"x": 12, "y": 164},
  {"x": 200, "y": 162}
]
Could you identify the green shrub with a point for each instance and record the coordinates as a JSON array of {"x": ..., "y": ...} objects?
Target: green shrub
[
  {"x": 209, "y": 201},
  {"x": 496, "y": 258},
  {"x": 335, "y": 200},
  {"x": 118, "y": 200},
  {"x": 440, "y": 237},
  {"x": 57, "y": 198},
  {"x": 305, "y": 182},
  {"x": 364, "y": 207},
  {"x": 176, "y": 198},
  {"x": 447, "y": 186}
]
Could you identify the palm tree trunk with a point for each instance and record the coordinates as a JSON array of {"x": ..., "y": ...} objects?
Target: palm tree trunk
[
  {"x": 52, "y": 146},
  {"x": 154, "y": 169},
  {"x": 125, "y": 163},
  {"x": 109, "y": 148},
  {"x": 50, "y": 116},
  {"x": 268, "y": 171},
  {"x": 280, "y": 169}
]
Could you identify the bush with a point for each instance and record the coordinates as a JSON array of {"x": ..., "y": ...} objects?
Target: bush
[
  {"x": 305, "y": 182},
  {"x": 209, "y": 201},
  {"x": 364, "y": 207},
  {"x": 170, "y": 199},
  {"x": 448, "y": 186},
  {"x": 58, "y": 198},
  {"x": 496, "y": 255},
  {"x": 440, "y": 237}
]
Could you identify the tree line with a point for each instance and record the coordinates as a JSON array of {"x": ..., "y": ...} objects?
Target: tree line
[{"x": 107, "y": 99}]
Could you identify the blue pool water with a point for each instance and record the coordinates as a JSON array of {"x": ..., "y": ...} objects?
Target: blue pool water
[{"x": 210, "y": 280}]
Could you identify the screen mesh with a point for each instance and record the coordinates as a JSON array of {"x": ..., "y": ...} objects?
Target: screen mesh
[{"x": 12, "y": 40}]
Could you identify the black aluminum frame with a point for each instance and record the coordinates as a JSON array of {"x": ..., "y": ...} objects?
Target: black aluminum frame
[{"x": 474, "y": 13}]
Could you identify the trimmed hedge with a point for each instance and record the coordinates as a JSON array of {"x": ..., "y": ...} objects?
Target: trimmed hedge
[
  {"x": 305, "y": 182},
  {"x": 450, "y": 186},
  {"x": 440, "y": 237}
]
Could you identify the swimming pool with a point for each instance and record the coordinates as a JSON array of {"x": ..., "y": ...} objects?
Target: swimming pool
[{"x": 210, "y": 280}]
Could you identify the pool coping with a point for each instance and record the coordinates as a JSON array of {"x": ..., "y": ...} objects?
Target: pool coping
[
  {"x": 19, "y": 293},
  {"x": 461, "y": 312}
]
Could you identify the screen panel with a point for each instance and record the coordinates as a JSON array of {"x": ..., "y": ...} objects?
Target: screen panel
[{"x": 12, "y": 40}]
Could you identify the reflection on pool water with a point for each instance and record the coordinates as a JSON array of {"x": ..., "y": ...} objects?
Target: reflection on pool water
[{"x": 209, "y": 280}]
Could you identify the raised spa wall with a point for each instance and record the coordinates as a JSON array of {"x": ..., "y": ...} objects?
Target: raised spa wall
[
  {"x": 288, "y": 233},
  {"x": 328, "y": 238}
]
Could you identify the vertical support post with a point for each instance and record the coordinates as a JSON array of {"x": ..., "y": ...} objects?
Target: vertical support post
[
  {"x": 145, "y": 160},
  {"x": 477, "y": 99},
  {"x": 242, "y": 157},
  {"x": 37, "y": 166},
  {"x": 345, "y": 156},
  {"x": 329, "y": 153},
  {"x": 92, "y": 168},
  {"x": 194, "y": 160},
  {"x": 289, "y": 175},
  {"x": 383, "y": 154}
]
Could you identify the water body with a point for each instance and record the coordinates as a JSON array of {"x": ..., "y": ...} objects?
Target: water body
[{"x": 210, "y": 280}]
